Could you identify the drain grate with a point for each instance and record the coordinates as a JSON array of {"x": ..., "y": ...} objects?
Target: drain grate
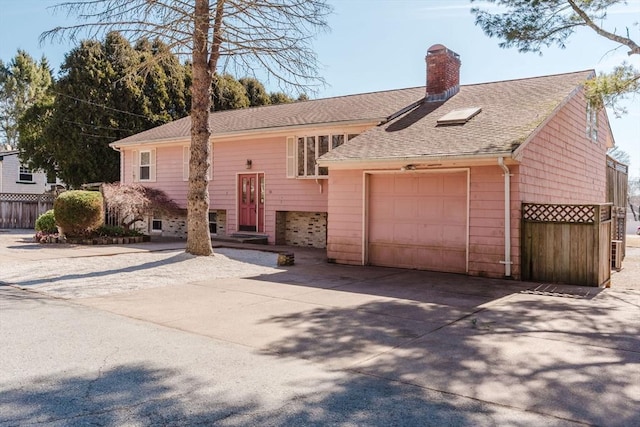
[{"x": 564, "y": 291}]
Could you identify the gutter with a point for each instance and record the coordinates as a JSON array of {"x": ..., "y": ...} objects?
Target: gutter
[
  {"x": 121, "y": 162},
  {"x": 374, "y": 121},
  {"x": 410, "y": 160},
  {"x": 507, "y": 218}
]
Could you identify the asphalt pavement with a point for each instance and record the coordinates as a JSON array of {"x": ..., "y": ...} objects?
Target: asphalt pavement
[{"x": 319, "y": 344}]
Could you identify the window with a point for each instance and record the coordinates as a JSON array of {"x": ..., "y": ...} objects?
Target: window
[
  {"x": 25, "y": 174},
  {"x": 156, "y": 225},
  {"x": 144, "y": 165},
  {"x": 592, "y": 123},
  {"x": 303, "y": 151},
  {"x": 213, "y": 222}
]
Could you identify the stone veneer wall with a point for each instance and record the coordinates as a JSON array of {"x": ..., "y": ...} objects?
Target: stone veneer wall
[
  {"x": 306, "y": 229},
  {"x": 221, "y": 222},
  {"x": 175, "y": 226},
  {"x": 281, "y": 228}
]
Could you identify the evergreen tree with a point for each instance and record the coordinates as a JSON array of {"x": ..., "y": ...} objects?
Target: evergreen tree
[
  {"x": 280, "y": 98},
  {"x": 99, "y": 99},
  {"x": 255, "y": 91},
  {"x": 23, "y": 83},
  {"x": 228, "y": 93}
]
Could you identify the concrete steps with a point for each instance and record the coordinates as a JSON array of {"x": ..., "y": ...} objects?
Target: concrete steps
[{"x": 258, "y": 239}]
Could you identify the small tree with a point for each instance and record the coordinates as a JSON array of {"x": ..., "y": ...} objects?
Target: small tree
[
  {"x": 46, "y": 222},
  {"x": 78, "y": 212},
  {"x": 134, "y": 202}
]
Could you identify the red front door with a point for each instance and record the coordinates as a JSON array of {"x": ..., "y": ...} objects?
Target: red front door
[{"x": 251, "y": 202}]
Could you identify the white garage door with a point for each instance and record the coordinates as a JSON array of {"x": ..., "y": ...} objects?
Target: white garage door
[{"x": 418, "y": 220}]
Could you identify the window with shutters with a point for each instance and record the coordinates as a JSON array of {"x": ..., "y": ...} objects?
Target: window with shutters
[
  {"x": 304, "y": 151},
  {"x": 144, "y": 165}
]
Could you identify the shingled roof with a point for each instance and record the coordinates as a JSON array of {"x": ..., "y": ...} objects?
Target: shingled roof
[
  {"x": 510, "y": 112},
  {"x": 368, "y": 107}
]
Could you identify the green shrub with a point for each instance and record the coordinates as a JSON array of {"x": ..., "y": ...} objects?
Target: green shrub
[
  {"x": 110, "y": 231},
  {"x": 78, "y": 212},
  {"x": 47, "y": 222}
]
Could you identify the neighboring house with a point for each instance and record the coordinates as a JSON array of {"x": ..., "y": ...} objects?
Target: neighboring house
[
  {"x": 421, "y": 178},
  {"x": 16, "y": 178}
]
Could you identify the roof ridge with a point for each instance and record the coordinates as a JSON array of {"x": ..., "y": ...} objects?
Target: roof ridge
[
  {"x": 529, "y": 78},
  {"x": 257, "y": 107}
]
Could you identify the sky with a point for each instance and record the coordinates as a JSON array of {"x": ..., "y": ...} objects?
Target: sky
[{"x": 378, "y": 45}]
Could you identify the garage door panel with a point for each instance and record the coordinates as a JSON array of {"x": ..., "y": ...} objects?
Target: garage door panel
[
  {"x": 430, "y": 210},
  {"x": 456, "y": 210},
  {"x": 381, "y": 210},
  {"x": 441, "y": 260},
  {"x": 404, "y": 208},
  {"x": 455, "y": 185},
  {"x": 427, "y": 227},
  {"x": 405, "y": 232},
  {"x": 405, "y": 185},
  {"x": 431, "y": 234}
]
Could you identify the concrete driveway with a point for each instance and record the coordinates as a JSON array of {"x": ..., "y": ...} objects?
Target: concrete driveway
[{"x": 530, "y": 353}]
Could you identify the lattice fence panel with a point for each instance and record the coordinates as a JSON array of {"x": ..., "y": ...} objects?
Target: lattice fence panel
[
  {"x": 581, "y": 214},
  {"x": 16, "y": 197}
]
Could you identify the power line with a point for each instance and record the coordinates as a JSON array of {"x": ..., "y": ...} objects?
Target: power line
[
  {"x": 97, "y": 126},
  {"x": 101, "y": 105}
]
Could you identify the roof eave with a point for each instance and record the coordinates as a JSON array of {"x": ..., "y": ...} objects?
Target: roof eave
[
  {"x": 257, "y": 131},
  {"x": 427, "y": 160}
]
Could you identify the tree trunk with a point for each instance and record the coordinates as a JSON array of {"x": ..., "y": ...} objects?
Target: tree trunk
[{"x": 198, "y": 239}]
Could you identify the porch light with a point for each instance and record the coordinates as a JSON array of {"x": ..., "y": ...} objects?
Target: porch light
[{"x": 248, "y": 164}]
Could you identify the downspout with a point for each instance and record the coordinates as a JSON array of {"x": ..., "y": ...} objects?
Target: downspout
[
  {"x": 121, "y": 163},
  {"x": 507, "y": 218}
]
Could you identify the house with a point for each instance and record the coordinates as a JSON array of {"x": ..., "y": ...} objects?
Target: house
[
  {"x": 428, "y": 177},
  {"x": 16, "y": 178}
]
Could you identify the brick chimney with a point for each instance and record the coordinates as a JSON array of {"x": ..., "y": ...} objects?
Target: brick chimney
[{"x": 443, "y": 73}]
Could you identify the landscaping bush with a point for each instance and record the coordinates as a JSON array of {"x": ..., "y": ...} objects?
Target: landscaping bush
[
  {"x": 115, "y": 231},
  {"x": 78, "y": 213},
  {"x": 46, "y": 222}
]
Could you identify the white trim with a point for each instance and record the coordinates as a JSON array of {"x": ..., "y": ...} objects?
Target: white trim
[
  {"x": 507, "y": 217},
  {"x": 237, "y": 203},
  {"x": 151, "y": 165},
  {"x": 251, "y": 133},
  {"x": 290, "y": 155},
  {"x": 451, "y": 159},
  {"x": 186, "y": 156},
  {"x": 365, "y": 218},
  {"x": 366, "y": 197}
]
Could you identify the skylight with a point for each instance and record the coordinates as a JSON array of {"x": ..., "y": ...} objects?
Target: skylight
[{"x": 459, "y": 116}]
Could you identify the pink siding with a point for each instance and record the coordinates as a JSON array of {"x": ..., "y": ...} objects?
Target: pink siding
[
  {"x": 268, "y": 156},
  {"x": 561, "y": 165},
  {"x": 168, "y": 172},
  {"x": 486, "y": 221},
  {"x": 344, "y": 236}
]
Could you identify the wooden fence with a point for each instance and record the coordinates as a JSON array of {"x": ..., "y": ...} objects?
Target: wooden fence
[
  {"x": 617, "y": 183},
  {"x": 22, "y": 210},
  {"x": 566, "y": 243}
]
